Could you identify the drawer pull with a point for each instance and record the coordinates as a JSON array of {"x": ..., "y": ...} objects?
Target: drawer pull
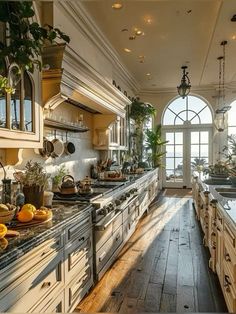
[
  {"x": 218, "y": 229},
  {"x": 227, "y": 281},
  {"x": 102, "y": 256},
  {"x": 81, "y": 239},
  {"x": 45, "y": 252},
  {"x": 117, "y": 237},
  {"x": 227, "y": 257},
  {"x": 46, "y": 284}
]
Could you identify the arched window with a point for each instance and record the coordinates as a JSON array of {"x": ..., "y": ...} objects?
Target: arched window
[
  {"x": 231, "y": 119},
  {"x": 191, "y": 110}
]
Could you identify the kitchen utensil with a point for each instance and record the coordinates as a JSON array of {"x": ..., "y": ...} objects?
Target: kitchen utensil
[
  {"x": 47, "y": 149},
  {"x": 69, "y": 147},
  {"x": 68, "y": 185},
  {"x": 58, "y": 147}
]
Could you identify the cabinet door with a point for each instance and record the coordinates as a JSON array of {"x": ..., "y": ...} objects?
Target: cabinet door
[
  {"x": 219, "y": 245},
  {"x": 21, "y": 121}
]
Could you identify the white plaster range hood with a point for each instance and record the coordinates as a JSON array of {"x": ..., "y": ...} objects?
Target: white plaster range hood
[{"x": 70, "y": 78}]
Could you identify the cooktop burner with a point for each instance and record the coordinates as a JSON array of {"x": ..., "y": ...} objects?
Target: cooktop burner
[{"x": 76, "y": 197}]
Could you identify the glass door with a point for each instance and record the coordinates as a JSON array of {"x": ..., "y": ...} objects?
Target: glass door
[{"x": 188, "y": 150}]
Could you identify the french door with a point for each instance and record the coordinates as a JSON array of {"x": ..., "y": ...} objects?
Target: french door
[{"x": 187, "y": 148}]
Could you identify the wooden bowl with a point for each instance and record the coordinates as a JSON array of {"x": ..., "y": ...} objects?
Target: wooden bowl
[{"x": 7, "y": 216}]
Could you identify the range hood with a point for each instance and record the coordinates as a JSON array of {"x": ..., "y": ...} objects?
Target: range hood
[{"x": 68, "y": 77}]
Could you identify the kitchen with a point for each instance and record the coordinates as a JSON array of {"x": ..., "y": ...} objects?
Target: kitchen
[{"x": 74, "y": 116}]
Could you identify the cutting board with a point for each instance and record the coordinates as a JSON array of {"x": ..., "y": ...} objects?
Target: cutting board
[{"x": 32, "y": 223}]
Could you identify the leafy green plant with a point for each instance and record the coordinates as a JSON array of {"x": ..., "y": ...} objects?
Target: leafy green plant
[
  {"x": 219, "y": 168},
  {"x": 140, "y": 112},
  {"x": 5, "y": 86},
  {"x": 25, "y": 38},
  {"x": 60, "y": 173},
  {"x": 34, "y": 175},
  {"x": 229, "y": 150},
  {"x": 198, "y": 164},
  {"x": 155, "y": 143}
]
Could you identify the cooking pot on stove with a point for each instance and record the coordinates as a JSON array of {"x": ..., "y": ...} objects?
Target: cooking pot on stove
[{"x": 68, "y": 185}]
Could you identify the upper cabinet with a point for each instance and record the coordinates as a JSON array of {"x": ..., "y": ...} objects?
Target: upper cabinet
[
  {"x": 20, "y": 112},
  {"x": 110, "y": 132}
]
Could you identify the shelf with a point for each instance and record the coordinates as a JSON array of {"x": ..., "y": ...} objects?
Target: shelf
[{"x": 64, "y": 126}]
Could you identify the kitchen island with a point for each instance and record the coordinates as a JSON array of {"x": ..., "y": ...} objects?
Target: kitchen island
[
  {"x": 49, "y": 268},
  {"x": 215, "y": 206}
]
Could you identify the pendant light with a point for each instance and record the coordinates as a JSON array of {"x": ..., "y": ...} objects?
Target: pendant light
[
  {"x": 184, "y": 87},
  {"x": 220, "y": 118}
]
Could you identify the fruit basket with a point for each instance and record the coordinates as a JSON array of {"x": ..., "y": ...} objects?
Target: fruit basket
[{"x": 7, "y": 215}]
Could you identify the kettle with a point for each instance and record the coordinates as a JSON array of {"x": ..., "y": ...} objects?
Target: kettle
[{"x": 68, "y": 185}]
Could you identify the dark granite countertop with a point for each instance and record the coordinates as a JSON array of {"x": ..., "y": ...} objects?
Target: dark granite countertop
[{"x": 63, "y": 215}]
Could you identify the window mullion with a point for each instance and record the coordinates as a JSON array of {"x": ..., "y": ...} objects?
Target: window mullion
[{"x": 22, "y": 109}]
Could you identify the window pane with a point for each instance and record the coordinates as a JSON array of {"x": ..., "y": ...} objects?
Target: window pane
[
  {"x": 170, "y": 175},
  {"x": 194, "y": 137},
  {"x": 204, "y": 137},
  {"x": 170, "y": 138},
  {"x": 183, "y": 115},
  {"x": 191, "y": 115},
  {"x": 178, "y": 121},
  {"x": 206, "y": 116},
  {"x": 170, "y": 164},
  {"x": 28, "y": 103},
  {"x": 178, "y": 105},
  {"x": 232, "y": 114},
  {"x": 195, "y": 104},
  {"x": 15, "y": 109},
  {"x": 178, "y": 150},
  {"x": 196, "y": 120},
  {"x": 195, "y": 151},
  {"x": 204, "y": 150},
  {"x": 178, "y": 138},
  {"x": 2, "y": 111},
  {"x": 168, "y": 118},
  {"x": 169, "y": 150}
]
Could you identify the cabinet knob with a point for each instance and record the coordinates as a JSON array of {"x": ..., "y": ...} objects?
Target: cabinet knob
[
  {"x": 227, "y": 257},
  {"x": 46, "y": 284}
]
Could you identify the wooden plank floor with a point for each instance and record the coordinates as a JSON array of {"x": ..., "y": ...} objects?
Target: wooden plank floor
[{"x": 163, "y": 267}]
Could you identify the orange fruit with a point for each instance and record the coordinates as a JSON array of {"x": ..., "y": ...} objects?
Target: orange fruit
[
  {"x": 25, "y": 216},
  {"x": 3, "y": 231},
  {"x": 28, "y": 207},
  {"x": 3, "y": 243},
  {"x": 42, "y": 215}
]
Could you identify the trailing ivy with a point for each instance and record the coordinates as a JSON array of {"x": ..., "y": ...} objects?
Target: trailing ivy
[{"x": 26, "y": 38}]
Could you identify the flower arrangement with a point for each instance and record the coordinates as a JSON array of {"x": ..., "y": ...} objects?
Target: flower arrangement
[{"x": 219, "y": 169}]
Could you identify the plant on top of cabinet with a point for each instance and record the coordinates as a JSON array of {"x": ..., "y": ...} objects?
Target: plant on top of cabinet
[
  {"x": 155, "y": 143},
  {"x": 140, "y": 112},
  {"x": 24, "y": 38}
]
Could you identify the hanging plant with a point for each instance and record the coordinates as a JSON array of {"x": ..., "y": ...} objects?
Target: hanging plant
[{"x": 24, "y": 38}]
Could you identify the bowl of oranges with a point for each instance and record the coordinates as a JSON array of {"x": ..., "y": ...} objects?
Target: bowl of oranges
[{"x": 29, "y": 213}]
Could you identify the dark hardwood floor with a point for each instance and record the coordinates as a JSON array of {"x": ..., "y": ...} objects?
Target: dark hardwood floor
[{"x": 163, "y": 267}]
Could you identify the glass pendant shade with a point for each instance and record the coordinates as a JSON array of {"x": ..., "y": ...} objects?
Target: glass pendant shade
[{"x": 220, "y": 121}]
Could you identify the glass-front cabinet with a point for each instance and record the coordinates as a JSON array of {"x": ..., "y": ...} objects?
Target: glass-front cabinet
[{"x": 20, "y": 112}]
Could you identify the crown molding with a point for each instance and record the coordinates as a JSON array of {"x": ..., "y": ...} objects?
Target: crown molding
[{"x": 77, "y": 12}]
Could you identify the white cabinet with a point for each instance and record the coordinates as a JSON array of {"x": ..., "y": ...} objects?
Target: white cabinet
[{"x": 110, "y": 132}]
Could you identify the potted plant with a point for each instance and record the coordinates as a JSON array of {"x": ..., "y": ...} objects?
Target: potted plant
[
  {"x": 229, "y": 150},
  {"x": 155, "y": 143},
  {"x": 140, "y": 112},
  {"x": 25, "y": 38},
  {"x": 34, "y": 180},
  {"x": 57, "y": 178},
  {"x": 217, "y": 170}
]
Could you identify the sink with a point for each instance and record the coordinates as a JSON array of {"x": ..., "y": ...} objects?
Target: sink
[
  {"x": 228, "y": 194},
  {"x": 217, "y": 182}
]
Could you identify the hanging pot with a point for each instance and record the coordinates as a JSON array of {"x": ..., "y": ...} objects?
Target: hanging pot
[
  {"x": 69, "y": 147},
  {"x": 47, "y": 149},
  {"x": 58, "y": 147}
]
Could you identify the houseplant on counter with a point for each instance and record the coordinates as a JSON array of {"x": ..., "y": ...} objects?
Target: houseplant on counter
[
  {"x": 140, "y": 112},
  {"x": 34, "y": 180}
]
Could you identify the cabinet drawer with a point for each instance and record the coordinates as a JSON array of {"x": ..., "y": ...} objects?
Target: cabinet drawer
[
  {"x": 74, "y": 231},
  {"x": 79, "y": 287},
  {"x": 36, "y": 284},
  {"x": 51, "y": 304},
  {"x": 77, "y": 255},
  {"x": 228, "y": 289},
  {"x": 230, "y": 258},
  {"x": 229, "y": 235},
  {"x": 117, "y": 223}
]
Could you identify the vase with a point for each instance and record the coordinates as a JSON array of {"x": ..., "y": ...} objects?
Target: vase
[
  {"x": 233, "y": 180},
  {"x": 33, "y": 195}
]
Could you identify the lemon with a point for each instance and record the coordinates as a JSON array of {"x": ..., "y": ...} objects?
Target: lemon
[
  {"x": 28, "y": 207},
  {"x": 3, "y": 231},
  {"x": 25, "y": 216}
]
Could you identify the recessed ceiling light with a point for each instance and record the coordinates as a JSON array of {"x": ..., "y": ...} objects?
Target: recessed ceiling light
[
  {"x": 117, "y": 5},
  {"x": 148, "y": 20},
  {"x": 148, "y": 74},
  {"x": 234, "y": 37},
  {"x": 141, "y": 60},
  {"x": 141, "y": 56},
  {"x": 138, "y": 32},
  {"x": 127, "y": 50},
  {"x": 124, "y": 30}
]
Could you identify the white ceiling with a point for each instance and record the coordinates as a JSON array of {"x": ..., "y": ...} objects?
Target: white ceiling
[{"x": 182, "y": 32}]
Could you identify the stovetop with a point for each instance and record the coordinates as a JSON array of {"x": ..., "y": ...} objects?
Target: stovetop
[{"x": 77, "y": 197}]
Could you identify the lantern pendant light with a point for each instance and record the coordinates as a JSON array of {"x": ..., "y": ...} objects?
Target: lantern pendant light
[{"x": 184, "y": 87}]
